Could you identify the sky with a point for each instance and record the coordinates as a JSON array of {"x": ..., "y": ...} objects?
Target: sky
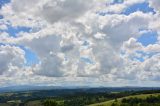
[{"x": 80, "y": 42}]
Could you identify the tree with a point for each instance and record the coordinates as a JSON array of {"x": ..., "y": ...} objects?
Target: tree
[{"x": 50, "y": 103}]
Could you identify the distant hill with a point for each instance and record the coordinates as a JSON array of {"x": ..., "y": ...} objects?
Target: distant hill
[
  {"x": 83, "y": 88},
  {"x": 28, "y": 88}
]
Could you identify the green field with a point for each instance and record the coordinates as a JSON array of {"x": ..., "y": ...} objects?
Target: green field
[
  {"x": 34, "y": 103},
  {"x": 108, "y": 103}
]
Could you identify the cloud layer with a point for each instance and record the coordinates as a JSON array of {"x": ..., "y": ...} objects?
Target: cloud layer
[{"x": 90, "y": 42}]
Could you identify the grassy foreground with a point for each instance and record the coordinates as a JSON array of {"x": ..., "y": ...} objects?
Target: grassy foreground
[{"x": 109, "y": 103}]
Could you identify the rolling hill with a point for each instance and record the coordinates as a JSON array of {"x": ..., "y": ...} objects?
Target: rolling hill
[{"x": 109, "y": 103}]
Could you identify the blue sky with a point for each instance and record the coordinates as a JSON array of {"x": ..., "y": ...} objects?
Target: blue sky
[
  {"x": 144, "y": 7},
  {"x": 2, "y": 2},
  {"x": 31, "y": 57},
  {"x": 148, "y": 38},
  {"x": 13, "y": 31}
]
